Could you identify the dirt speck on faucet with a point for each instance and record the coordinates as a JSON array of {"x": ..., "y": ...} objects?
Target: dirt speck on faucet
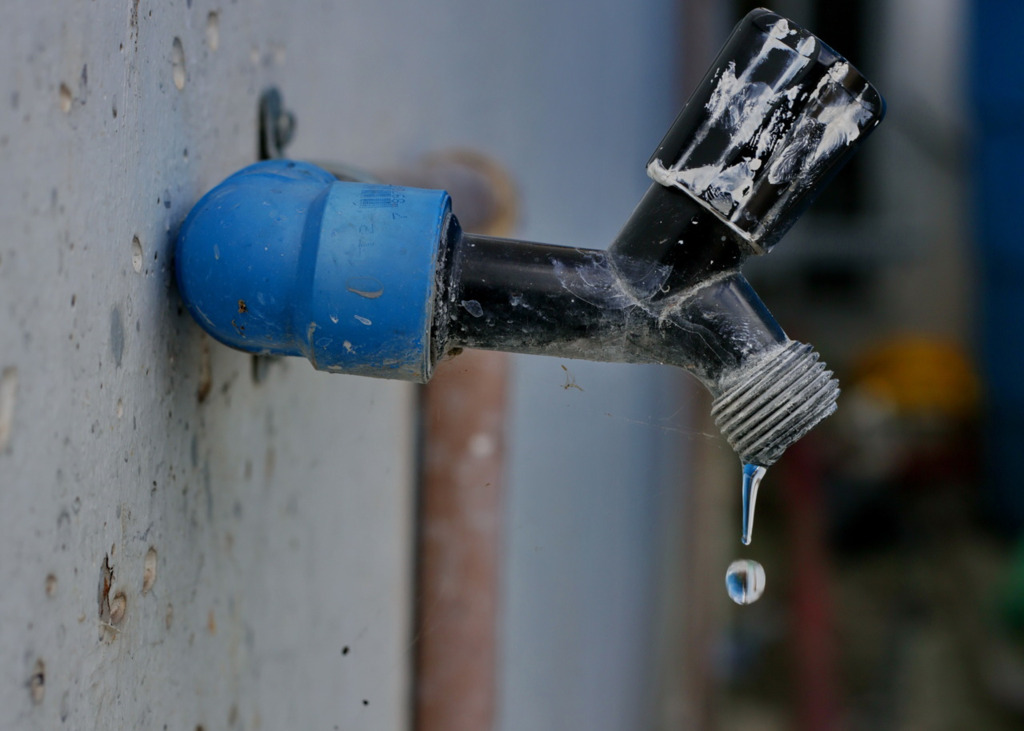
[{"x": 367, "y": 287}]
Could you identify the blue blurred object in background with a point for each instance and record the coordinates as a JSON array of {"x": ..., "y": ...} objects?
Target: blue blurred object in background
[{"x": 997, "y": 93}]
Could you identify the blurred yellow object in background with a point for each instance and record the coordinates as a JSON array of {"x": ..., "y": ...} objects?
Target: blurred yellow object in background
[{"x": 917, "y": 375}]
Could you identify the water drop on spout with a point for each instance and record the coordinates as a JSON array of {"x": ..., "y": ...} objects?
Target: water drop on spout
[
  {"x": 752, "y": 476},
  {"x": 744, "y": 580}
]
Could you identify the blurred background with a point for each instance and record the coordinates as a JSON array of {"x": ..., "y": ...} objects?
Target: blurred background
[
  {"x": 526, "y": 543},
  {"x": 891, "y": 535}
]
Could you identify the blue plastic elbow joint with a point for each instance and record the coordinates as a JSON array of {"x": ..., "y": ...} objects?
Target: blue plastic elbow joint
[{"x": 281, "y": 258}]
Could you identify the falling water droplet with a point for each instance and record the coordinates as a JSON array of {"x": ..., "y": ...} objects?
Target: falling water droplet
[
  {"x": 744, "y": 580},
  {"x": 752, "y": 476}
]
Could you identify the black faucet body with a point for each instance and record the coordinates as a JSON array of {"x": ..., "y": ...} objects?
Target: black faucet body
[
  {"x": 303, "y": 271},
  {"x": 776, "y": 116},
  {"x": 595, "y": 304}
]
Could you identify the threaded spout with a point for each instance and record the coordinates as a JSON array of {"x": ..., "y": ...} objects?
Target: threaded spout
[{"x": 776, "y": 399}]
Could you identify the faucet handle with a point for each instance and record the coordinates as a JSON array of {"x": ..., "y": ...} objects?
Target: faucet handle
[{"x": 776, "y": 116}]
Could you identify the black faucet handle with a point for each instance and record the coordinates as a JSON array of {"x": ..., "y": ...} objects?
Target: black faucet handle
[{"x": 778, "y": 113}]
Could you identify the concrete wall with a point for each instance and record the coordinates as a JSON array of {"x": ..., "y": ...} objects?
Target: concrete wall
[
  {"x": 192, "y": 540},
  {"x": 184, "y": 543}
]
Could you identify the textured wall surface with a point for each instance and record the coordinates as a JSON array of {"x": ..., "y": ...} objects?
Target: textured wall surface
[{"x": 186, "y": 541}]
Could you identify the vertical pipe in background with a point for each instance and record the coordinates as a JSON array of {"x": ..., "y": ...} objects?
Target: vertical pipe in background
[
  {"x": 813, "y": 621},
  {"x": 459, "y": 544},
  {"x": 463, "y": 418},
  {"x": 998, "y": 197}
]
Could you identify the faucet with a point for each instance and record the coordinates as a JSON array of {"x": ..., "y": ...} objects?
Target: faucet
[{"x": 377, "y": 280}]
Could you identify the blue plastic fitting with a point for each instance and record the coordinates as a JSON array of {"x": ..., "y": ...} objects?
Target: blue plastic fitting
[{"x": 281, "y": 258}]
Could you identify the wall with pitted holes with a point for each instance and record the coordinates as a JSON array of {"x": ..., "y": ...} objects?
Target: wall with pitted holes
[
  {"x": 188, "y": 538},
  {"x": 192, "y": 539}
]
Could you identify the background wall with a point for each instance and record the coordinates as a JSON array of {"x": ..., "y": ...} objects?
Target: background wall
[
  {"x": 190, "y": 538},
  {"x": 197, "y": 539}
]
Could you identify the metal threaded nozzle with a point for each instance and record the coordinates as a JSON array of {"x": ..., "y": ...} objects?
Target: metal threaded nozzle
[{"x": 777, "y": 400}]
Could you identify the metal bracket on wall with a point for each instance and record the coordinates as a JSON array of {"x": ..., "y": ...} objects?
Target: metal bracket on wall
[{"x": 276, "y": 124}]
